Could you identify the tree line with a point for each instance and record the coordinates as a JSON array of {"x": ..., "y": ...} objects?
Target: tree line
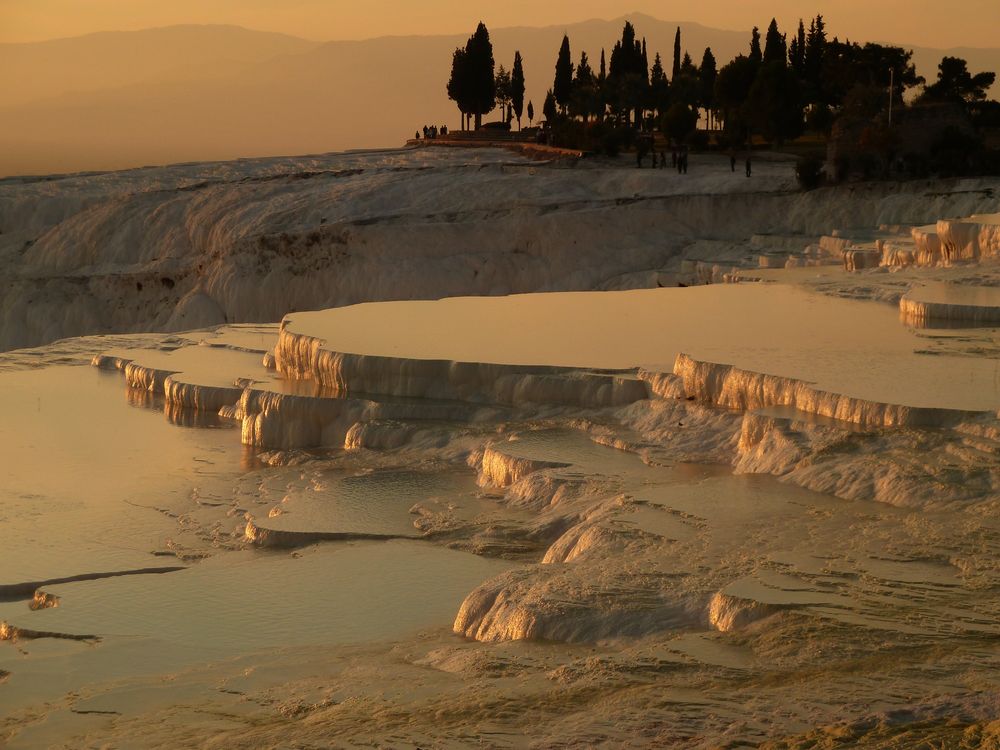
[{"x": 776, "y": 90}]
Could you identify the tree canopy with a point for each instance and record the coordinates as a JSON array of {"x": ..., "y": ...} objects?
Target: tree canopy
[
  {"x": 781, "y": 86},
  {"x": 517, "y": 88},
  {"x": 472, "y": 84},
  {"x": 955, "y": 83},
  {"x": 562, "y": 87}
]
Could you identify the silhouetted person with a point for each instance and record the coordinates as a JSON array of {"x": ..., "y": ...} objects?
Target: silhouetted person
[
  {"x": 673, "y": 158},
  {"x": 444, "y": 130},
  {"x": 732, "y": 162},
  {"x": 663, "y": 160},
  {"x": 426, "y": 131},
  {"x": 749, "y": 170}
]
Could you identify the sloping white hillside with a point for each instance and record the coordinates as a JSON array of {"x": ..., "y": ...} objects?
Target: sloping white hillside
[{"x": 194, "y": 245}]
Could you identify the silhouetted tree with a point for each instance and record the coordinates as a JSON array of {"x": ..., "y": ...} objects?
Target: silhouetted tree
[
  {"x": 472, "y": 83},
  {"x": 676, "y": 70},
  {"x": 813, "y": 59},
  {"x": 773, "y": 106},
  {"x": 955, "y": 83},
  {"x": 602, "y": 84},
  {"x": 847, "y": 65},
  {"x": 732, "y": 86},
  {"x": 659, "y": 87},
  {"x": 628, "y": 76},
  {"x": 679, "y": 121},
  {"x": 797, "y": 51},
  {"x": 707, "y": 73},
  {"x": 517, "y": 88},
  {"x": 585, "y": 99},
  {"x": 503, "y": 96},
  {"x": 549, "y": 107},
  {"x": 562, "y": 87},
  {"x": 775, "y": 49},
  {"x": 531, "y": 112},
  {"x": 459, "y": 85},
  {"x": 686, "y": 87},
  {"x": 755, "y": 53}
]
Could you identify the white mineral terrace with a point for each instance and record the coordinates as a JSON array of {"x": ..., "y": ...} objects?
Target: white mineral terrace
[
  {"x": 753, "y": 514},
  {"x": 841, "y": 346},
  {"x": 951, "y": 303},
  {"x": 344, "y": 372}
]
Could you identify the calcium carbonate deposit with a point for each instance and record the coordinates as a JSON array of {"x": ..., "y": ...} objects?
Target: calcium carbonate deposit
[{"x": 447, "y": 449}]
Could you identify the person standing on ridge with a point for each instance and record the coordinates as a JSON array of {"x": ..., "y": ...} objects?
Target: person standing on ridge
[{"x": 748, "y": 166}]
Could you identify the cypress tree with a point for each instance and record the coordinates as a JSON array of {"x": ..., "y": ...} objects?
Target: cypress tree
[
  {"x": 584, "y": 100},
  {"x": 531, "y": 112},
  {"x": 677, "y": 55},
  {"x": 481, "y": 81},
  {"x": 815, "y": 46},
  {"x": 549, "y": 108},
  {"x": 708, "y": 73},
  {"x": 755, "y": 54},
  {"x": 603, "y": 96},
  {"x": 628, "y": 75},
  {"x": 517, "y": 88},
  {"x": 775, "y": 49},
  {"x": 815, "y": 51},
  {"x": 460, "y": 85},
  {"x": 797, "y": 50},
  {"x": 562, "y": 87},
  {"x": 659, "y": 88},
  {"x": 503, "y": 98}
]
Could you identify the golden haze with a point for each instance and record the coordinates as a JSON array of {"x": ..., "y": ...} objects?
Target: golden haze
[{"x": 970, "y": 23}]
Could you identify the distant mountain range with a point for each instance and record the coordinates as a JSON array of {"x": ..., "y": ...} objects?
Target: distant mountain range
[{"x": 193, "y": 93}]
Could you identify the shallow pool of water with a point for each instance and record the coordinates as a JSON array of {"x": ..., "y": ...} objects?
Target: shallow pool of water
[
  {"x": 843, "y": 345},
  {"x": 88, "y": 480}
]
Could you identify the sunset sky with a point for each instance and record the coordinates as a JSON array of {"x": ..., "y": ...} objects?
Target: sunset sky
[{"x": 918, "y": 22}]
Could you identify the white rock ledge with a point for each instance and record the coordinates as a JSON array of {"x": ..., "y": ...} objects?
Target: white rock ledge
[
  {"x": 732, "y": 388},
  {"x": 958, "y": 306},
  {"x": 299, "y": 356}
]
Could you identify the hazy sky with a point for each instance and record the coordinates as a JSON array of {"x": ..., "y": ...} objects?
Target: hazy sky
[{"x": 929, "y": 23}]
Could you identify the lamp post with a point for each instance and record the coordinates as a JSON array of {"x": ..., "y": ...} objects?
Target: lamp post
[{"x": 892, "y": 85}]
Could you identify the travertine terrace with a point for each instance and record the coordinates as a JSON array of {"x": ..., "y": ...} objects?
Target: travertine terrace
[{"x": 631, "y": 507}]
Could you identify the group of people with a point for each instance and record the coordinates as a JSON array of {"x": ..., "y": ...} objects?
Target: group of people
[
  {"x": 432, "y": 131},
  {"x": 678, "y": 158},
  {"x": 732, "y": 164}
]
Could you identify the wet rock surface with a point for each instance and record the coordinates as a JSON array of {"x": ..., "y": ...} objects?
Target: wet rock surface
[{"x": 720, "y": 549}]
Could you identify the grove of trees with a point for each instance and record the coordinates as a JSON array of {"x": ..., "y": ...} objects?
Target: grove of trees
[{"x": 777, "y": 90}]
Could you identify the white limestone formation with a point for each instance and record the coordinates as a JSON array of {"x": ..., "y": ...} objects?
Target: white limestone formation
[
  {"x": 727, "y": 613},
  {"x": 972, "y": 239},
  {"x": 496, "y": 468},
  {"x": 859, "y": 258},
  {"x": 565, "y": 603},
  {"x": 733, "y": 388},
  {"x": 953, "y": 305},
  {"x": 194, "y": 245},
  {"x": 301, "y": 356}
]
